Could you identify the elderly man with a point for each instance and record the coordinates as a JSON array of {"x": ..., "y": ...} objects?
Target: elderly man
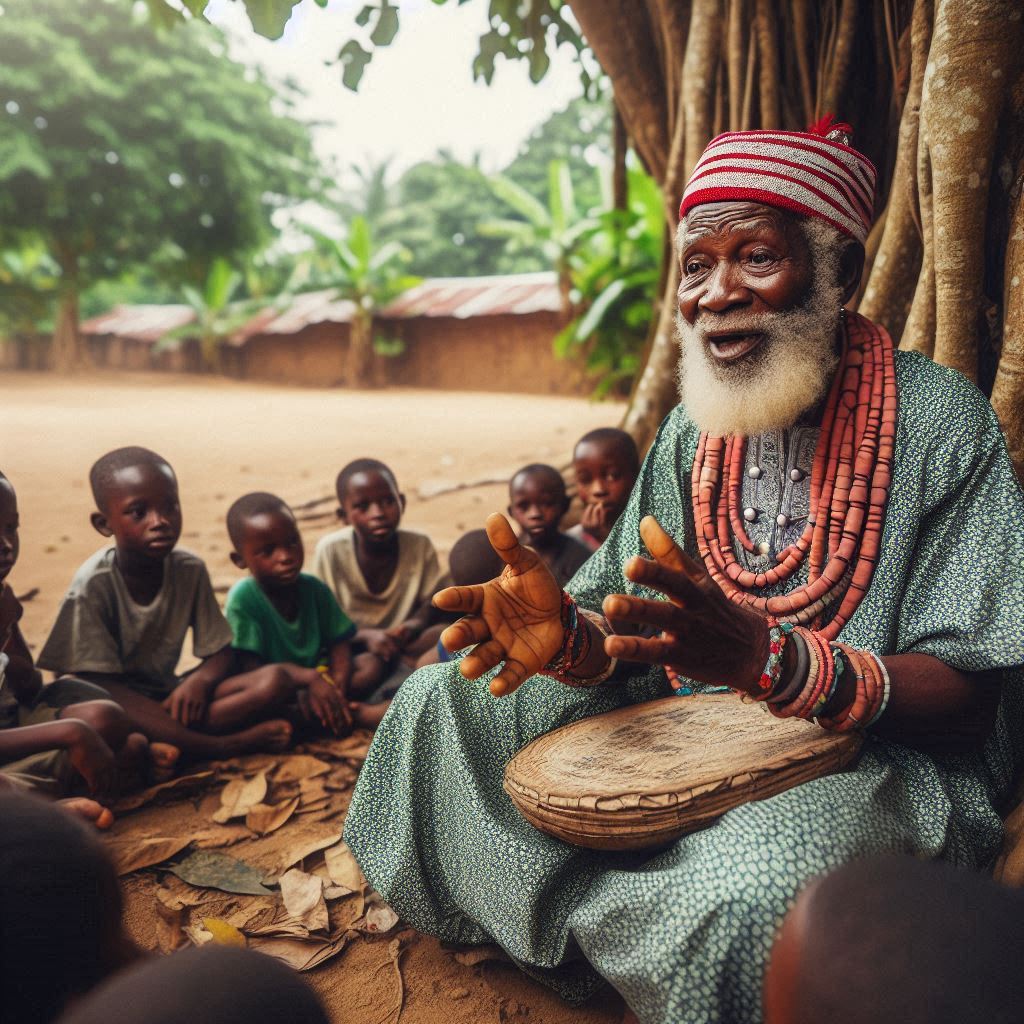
[{"x": 838, "y": 532}]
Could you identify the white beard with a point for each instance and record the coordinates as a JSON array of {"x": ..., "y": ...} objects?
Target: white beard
[{"x": 785, "y": 376}]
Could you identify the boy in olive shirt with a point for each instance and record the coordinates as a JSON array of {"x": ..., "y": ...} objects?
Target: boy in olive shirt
[
  {"x": 123, "y": 622},
  {"x": 282, "y": 616}
]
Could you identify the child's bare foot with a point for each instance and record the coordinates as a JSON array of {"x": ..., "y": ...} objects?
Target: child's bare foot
[
  {"x": 368, "y": 716},
  {"x": 163, "y": 759},
  {"x": 89, "y": 810},
  {"x": 274, "y": 736}
]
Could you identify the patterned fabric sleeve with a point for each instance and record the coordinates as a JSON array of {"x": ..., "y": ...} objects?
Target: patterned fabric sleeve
[{"x": 964, "y": 602}]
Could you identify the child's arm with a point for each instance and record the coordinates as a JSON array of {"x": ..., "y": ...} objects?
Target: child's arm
[
  {"x": 191, "y": 697},
  {"x": 88, "y": 753}
]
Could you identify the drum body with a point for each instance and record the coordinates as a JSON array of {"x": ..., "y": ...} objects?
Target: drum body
[{"x": 642, "y": 776}]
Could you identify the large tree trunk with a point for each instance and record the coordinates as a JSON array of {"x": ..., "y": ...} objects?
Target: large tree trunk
[
  {"x": 67, "y": 353},
  {"x": 935, "y": 91},
  {"x": 360, "y": 352}
]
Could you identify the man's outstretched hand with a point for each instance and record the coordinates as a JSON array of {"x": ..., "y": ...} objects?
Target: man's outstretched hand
[
  {"x": 515, "y": 618},
  {"x": 703, "y": 635}
]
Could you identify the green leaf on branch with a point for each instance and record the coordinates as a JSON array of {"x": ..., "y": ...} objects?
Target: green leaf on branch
[
  {"x": 387, "y": 25},
  {"x": 363, "y": 17},
  {"x": 269, "y": 17},
  {"x": 354, "y": 59}
]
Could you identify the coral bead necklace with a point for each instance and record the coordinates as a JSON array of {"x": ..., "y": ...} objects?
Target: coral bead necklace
[{"x": 850, "y": 480}]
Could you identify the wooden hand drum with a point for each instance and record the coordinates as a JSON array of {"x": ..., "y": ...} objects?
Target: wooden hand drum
[{"x": 646, "y": 774}]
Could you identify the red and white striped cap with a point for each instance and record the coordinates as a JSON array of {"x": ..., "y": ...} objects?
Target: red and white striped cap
[{"x": 806, "y": 172}]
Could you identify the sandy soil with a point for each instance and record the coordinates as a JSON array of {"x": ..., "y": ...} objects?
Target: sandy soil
[{"x": 225, "y": 438}]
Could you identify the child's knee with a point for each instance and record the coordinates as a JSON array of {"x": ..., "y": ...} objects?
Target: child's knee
[
  {"x": 273, "y": 685},
  {"x": 107, "y": 717}
]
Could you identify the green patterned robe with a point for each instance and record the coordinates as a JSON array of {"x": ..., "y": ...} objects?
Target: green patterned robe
[{"x": 684, "y": 935}]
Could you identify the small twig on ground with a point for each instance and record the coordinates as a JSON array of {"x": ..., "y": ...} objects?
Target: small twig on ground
[
  {"x": 395, "y": 949},
  {"x": 313, "y": 502}
]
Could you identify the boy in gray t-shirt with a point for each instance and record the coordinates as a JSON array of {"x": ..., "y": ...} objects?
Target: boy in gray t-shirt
[{"x": 123, "y": 621}]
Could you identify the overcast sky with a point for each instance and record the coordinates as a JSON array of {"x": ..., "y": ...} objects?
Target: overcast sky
[{"x": 417, "y": 95}]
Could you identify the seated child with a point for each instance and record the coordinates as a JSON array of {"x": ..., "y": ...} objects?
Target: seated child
[
  {"x": 471, "y": 561},
  {"x": 61, "y": 932},
  {"x": 281, "y": 615},
  {"x": 383, "y": 577},
  {"x": 606, "y": 464},
  {"x": 537, "y": 502},
  {"x": 123, "y": 621},
  {"x": 210, "y": 985},
  {"x": 61, "y": 738}
]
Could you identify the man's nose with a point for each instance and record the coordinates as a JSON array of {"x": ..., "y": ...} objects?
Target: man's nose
[{"x": 722, "y": 290}]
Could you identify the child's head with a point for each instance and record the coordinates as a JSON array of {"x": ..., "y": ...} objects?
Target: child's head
[
  {"x": 537, "y": 502},
  {"x": 60, "y": 910},
  {"x": 9, "y": 542},
  {"x": 266, "y": 540},
  {"x": 606, "y": 463},
  {"x": 915, "y": 942},
  {"x": 136, "y": 496},
  {"x": 213, "y": 984},
  {"x": 472, "y": 560},
  {"x": 369, "y": 501}
]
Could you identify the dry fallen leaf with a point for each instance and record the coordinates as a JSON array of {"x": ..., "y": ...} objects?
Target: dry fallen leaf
[
  {"x": 379, "y": 917},
  {"x": 181, "y": 783},
  {"x": 342, "y": 867},
  {"x": 481, "y": 954},
  {"x": 300, "y": 954},
  {"x": 264, "y": 818},
  {"x": 224, "y": 934},
  {"x": 211, "y": 869},
  {"x": 240, "y": 796},
  {"x": 132, "y": 854},
  {"x": 283, "y": 850},
  {"x": 303, "y": 897},
  {"x": 299, "y": 768}
]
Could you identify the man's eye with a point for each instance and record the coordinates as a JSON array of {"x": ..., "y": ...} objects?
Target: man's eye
[
  {"x": 694, "y": 267},
  {"x": 761, "y": 258}
]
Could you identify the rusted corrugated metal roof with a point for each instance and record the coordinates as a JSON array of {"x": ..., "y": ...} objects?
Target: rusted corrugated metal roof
[
  {"x": 463, "y": 297},
  {"x": 459, "y": 297},
  {"x": 300, "y": 311},
  {"x": 140, "y": 323}
]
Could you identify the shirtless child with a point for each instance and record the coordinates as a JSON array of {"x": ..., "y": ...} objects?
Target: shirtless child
[
  {"x": 383, "y": 576},
  {"x": 537, "y": 502},
  {"x": 64, "y": 738},
  {"x": 283, "y": 616},
  {"x": 123, "y": 621},
  {"x": 606, "y": 464}
]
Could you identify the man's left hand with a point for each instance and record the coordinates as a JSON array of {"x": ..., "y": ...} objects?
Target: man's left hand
[{"x": 703, "y": 635}]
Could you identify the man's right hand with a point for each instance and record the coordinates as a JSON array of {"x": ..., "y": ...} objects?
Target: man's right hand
[
  {"x": 91, "y": 758},
  {"x": 516, "y": 618}
]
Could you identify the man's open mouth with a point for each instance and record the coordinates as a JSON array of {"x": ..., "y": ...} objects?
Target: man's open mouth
[{"x": 729, "y": 347}]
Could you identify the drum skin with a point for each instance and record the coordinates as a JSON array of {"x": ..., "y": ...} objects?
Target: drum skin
[{"x": 641, "y": 776}]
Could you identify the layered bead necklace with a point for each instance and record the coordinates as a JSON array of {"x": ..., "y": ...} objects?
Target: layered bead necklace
[{"x": 850, "y": 480}]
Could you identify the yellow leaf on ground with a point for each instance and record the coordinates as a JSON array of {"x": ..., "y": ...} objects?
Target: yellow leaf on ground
[
  {"x": 239, "y": 796},
  {"x": 264, "y": 818},
  {"x": 224, "y": 934}
]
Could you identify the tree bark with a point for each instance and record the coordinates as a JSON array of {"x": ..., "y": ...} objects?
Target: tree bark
[
  {"x": 359, "y": 365},
  {"x": 67, "y": 354}
]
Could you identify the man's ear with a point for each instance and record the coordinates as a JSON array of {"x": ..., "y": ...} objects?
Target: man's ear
[
  {"x": 237, "y": 560},
  {"x": 851, "y": 268},
  {"x": 340, "y": 513},
  {"x": 99, "y": 524}
]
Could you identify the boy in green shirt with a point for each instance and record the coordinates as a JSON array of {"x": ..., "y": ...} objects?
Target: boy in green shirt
[{"x": 283, "y": 616}]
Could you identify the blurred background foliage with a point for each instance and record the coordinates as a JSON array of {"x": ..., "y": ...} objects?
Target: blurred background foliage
[{"x": 140, "y": 163}]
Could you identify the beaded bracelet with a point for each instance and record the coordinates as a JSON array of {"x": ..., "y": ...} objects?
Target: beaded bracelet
[
  {"x": 886, "y": 686},
  {"x": 778, "y": 636},
  {"x": 576, "y": 647}
]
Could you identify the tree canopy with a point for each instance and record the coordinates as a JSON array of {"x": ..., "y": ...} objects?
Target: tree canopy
[{"x": 124, "y": 146}]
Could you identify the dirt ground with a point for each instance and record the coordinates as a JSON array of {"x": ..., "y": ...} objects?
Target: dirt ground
[{"x": 225, "y": 438}]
